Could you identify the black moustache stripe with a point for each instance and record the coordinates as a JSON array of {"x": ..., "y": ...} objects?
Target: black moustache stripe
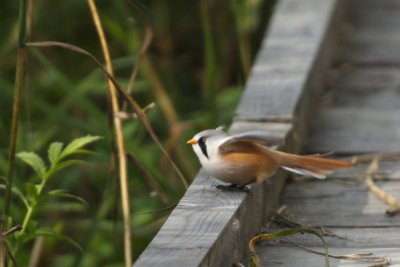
[{"x": 203, "y": 146}]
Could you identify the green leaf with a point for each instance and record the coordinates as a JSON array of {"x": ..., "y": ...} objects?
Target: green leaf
[
  {"x": 54, "y": 152},
  {"x": 78, "y": 143},
  {"x": 35, "y": 161},
  {"x": 31, "y": 192},
  {"x": 61, "y": 165},
  {"x": 84, "y": 151},
  {"x": 45, "y": 231},
  {"x": 63, "y": 194},
  {"x": 18, "y": 193}
]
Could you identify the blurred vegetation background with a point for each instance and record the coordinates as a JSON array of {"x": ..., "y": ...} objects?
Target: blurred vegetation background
[{"x": 194, "y": 72}]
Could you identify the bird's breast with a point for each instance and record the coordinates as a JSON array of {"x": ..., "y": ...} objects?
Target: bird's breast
[{"x": 240, "y": 167}]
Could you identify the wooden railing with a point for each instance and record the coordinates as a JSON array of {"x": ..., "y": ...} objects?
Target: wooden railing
[{"x": 210, "y": 227}]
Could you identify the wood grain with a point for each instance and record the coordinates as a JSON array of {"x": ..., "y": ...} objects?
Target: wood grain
[
  {"x": 359, "y": 114},
  {"x": 210, "y": 227},
  {"x": 354, "y": 130},
  {"x": 287, "y": 60},
  {"x": 288, "y": 256},
  {"x": 333, "y": 204},
  {"x": 374, "y": 33}
]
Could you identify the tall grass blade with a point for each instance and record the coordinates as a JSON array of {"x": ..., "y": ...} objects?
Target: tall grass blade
[
  {"x": 210, "y": 60},
  {"x": 19, "y": 81}
]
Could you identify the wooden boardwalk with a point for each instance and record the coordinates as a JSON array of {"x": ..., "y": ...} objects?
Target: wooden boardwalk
[
  {"x": 360, "y": 113},
  {"x": 326, "y": 78}
]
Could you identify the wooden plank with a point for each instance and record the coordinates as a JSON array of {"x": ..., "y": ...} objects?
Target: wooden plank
[
  {"x": 376, "y": 15},
  {"x": 368, "y": 77},
  {"x": 210, "y": 227},
  {"x": 334, "y": 204},
  {"x": 387, "y": 170},
  {"x": 364, "y": 119},
  {"x": 297, "y": 39},
  {"x": 373, "y": 51},
  {"x": 195, "y": 226},
  {"x": 373, "y": 38},
  {"x": 289, "y": 256},
  {"x": 207, "y": 218},
  {"x": 384, "y": 237},
  {"x": 354, "y": 130}
]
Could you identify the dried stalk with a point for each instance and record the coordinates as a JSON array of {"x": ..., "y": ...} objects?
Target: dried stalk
[
  {"x": 147, "y": 39},
  {"x": 19, "y": 81},
  {"x": 379, "y": 192},
  {"x": 368, "y": 257},
  {"x": 36, "y": 251},
  {"x": 123, "y": 171},
  {"x": 131, "y": 116},
  {"x": 371, "y": 156}
]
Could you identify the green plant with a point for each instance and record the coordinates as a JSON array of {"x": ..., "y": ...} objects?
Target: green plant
[{"x": 35, "y": 194}]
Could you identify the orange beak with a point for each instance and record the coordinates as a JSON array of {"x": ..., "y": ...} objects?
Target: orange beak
[{"x": 191, "y": 141}]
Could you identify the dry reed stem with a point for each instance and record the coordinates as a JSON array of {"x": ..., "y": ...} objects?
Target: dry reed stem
[
  {"x": 36, "y": 252},
  {"x": 132, "y": 116},
  {"x": 379, "y": 192},
  {"x": 2, "y": 258},
  {"x": 371, "y": 156},
  {"x": 4, "y": 248},
  {"x": 368, "y": 257},
  {"x": 393, "y": 211},
  {"x": 160, "y": 92},
  {"x": 148, "y": 37},
  {"x": 19, "y": 81},
  {"x": 123, "y": 171}
]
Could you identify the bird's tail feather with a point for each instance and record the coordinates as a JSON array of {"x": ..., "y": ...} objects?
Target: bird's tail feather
[{"x": 315, "y": 166}]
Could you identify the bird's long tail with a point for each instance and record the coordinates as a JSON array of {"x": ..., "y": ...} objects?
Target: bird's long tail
[{"x": 315, "y": 165}]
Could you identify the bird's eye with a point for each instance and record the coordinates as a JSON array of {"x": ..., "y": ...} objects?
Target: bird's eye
[{"x": 204, "y": 139}]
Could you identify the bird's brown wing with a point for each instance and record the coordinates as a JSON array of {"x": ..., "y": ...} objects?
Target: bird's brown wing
[{"x": 258, "y": 137}]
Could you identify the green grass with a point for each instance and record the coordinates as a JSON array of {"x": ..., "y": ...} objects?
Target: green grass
[{"x": 198, "y": 63}]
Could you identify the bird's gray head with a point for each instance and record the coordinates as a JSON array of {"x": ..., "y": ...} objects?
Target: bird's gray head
[{"x": 203, "y": 140}]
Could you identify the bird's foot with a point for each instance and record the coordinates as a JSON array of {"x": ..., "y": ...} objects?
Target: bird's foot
[{"x": 234, "y": 187}]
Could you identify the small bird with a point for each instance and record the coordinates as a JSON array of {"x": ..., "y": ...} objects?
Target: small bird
[{"x": 244, "y": 158}]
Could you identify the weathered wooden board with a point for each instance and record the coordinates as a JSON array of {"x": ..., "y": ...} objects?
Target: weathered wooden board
[
  {"x": 363, "y": 117},
  {"x": 367, "y": 87},
  {"x": 387, "y": 170},
  {"x": 334, "y": 204},
  {"x": 354, "y": 130},
  {"x": 374, "y": 32},
  {"x": 368, "y": 51},
  {"x": 385, "y": 237},
  {"x": 374, "y": 15},
  {"x": 289, "y": 256},
  {"x": 204, "y": 217},
  {"x": 368, "y": 77},
  {"x": 210, "y": 227},
  {"x": 295, "y": 42},
  {"x": 208, "y": 219}
]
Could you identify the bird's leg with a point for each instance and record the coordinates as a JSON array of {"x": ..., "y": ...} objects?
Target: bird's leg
[{"x": 233, "y": 187}]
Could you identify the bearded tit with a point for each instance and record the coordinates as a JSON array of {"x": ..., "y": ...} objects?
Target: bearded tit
[{"x": 244, "y": 158}]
